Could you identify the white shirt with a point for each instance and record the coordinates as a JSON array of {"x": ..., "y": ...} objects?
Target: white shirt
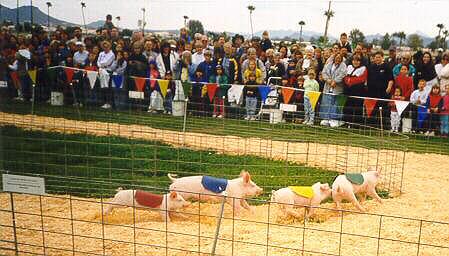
[
  {"x": 105, "y": 59},
  {"x": 80, "y": 57},
  {"x": 421, "y": 95},
  {"x": 197, "y": 58}
]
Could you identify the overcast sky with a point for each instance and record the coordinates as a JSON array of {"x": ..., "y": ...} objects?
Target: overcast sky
[{"x": 369, "y": 16}]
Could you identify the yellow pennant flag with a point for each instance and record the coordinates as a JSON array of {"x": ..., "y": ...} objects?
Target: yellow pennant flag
[
  {"x": 163, "y": 85},
  {"x": 32, "y": 74},
  {"x": 313, "y": 97}
]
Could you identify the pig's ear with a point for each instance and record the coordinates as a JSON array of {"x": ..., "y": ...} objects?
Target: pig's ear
[
  {"x": 173, "y": 195},
  {"x": 246, "y": 177}
]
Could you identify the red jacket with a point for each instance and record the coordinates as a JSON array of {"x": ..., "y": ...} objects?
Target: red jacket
[
  {"x": 354, "y": 80},
  {"x": 406, "y": 85}
]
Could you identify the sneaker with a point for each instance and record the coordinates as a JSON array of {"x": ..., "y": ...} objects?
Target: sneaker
[
  {"x": 427, "y": 133},
  {"x": 247, "y": 117},
  {"x": 214, "y": 115},
  {"x": 431, "y": 133},
  {"x": 106, "y": 106},
  {"x": 310, "y": 122},
  {"x": 324, "y": 122},
  {"x": 19, "y": 98},
  {"x": 333, "y": 123},
  {"x": 219, "y": 116},
  {"x": 306, "y": 121}
]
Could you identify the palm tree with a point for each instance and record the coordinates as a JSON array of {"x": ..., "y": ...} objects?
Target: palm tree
[
  {"x": 185, "y": 20},
  {"x": 329, "y": 14},
  {"x": 445, "y": 35},
  {"x": 48, "y": 15},
  {"x": 401, "y": 36},
  {"x": 251, "y": 8},
  {"x": 301, "y": 23},
  {"x": 440, "y": 27}
]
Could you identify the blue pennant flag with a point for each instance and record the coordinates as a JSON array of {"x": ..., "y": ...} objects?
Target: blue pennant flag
[
  {"x": 422, "y": 116},
  {"x": 118, "y": 81},
  {"x": 264, "y": 91}
]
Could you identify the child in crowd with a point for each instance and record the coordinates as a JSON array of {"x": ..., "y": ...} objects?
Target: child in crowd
[
  {"x": 197, "y": 92},
  {"x": 395, "y": 118},
  {"x": 252, "y": 70},
  {"x": 434, "y": 105},
  {"x": 444, "y": 114},
  {"x": 310, "y": 85},
  {"x": 250, "y": 93},
  {"x": 168, "y": 100},
  {"x": 221, "y": 80},
  {"x": 405, "y": 82},
  {"x": 418, "y": 99}
]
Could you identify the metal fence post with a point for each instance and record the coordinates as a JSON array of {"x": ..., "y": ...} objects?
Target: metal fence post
[
  {"x": 219, "y": 217},
  {"x": 14, "y": 223}
]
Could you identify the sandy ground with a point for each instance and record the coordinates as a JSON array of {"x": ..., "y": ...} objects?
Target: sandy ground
[{"x": 425, "y": 185}]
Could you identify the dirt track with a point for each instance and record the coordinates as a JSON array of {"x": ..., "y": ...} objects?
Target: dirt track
[{"x": 425, "y": 187}]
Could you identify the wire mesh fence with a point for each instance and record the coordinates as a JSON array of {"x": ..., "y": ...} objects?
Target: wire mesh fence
[{"x": 85, "y": 156}]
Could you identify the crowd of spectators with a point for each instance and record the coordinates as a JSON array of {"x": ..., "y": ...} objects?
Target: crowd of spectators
[{"x": 341, "y": 69}]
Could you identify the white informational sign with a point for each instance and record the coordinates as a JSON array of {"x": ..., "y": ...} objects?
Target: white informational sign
[
  {"x": 3, "y": 84},
  {"x": 23, "y": 184},
  {"x": 136, "y": 95},
  {"x": 288, "y": 107}
]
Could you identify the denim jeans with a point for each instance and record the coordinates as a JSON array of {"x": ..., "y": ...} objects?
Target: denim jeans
[
  {"x": 329, "y": 108},
  {"x": 308, "y": 110},
  {"x": 251, "y": 106},
  {"x": 444, "y": 124}
]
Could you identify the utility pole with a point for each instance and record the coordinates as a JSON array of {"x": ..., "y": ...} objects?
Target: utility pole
[{"x": 17, "y": 16}]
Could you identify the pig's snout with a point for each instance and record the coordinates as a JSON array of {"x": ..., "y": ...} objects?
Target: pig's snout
[
  {"x": 186, "y": 204},
  {"x": 259, "y": 191}
]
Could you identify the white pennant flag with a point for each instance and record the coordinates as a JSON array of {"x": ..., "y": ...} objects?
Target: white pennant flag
[
  {"x": 401, "y": 106},
  {"x": 179, "y": 93},
  {"x": 92, "y": 76}
]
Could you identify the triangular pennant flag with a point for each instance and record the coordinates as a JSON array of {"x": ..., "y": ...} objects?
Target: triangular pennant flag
[
  {"x": 211, "y": 90},
  {"x": 32, "y": 74},
  {"x": 92, "y": 76},
  {"x": 422, "y": 116},
  {"x": 179, "y": 91},
  {"x": 401, "y": 106},
  {"x": 313, "y": 98},
  {"x": 163, "y": 85},
  {"x": 287, "y": 94},
  {"x": 370, "y": 104},
  {"x": 118, "y": 81},
  {"x": 153, "y": 83},
  {"x": 187, "y": 87},
  {"x": 341, "y": 100},
  {"x": 15, "y": 79},
  {"x": 263, "y": 91},
  {"x": 140, "y": 83},
  {"x": 69, "y": 74}
]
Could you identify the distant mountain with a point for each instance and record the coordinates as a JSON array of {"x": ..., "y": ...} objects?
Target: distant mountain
[
  {"x": 39, "y": 17},
  {"x": 95, "y": 24}
]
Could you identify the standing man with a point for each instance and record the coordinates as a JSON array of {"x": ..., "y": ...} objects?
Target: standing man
[
  {"x": 380, "y": 84},
  {"x": 344, "y": 42},
  {"x": 108, "y": 23}
]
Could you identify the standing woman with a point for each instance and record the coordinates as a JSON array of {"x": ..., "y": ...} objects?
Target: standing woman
[
  {"x": 104, "y": 63},
  {"x": 118, "y": 68},
  {"x": 425, "y": 69},
  {"x": 355, "y": 85},
  {"x": 442, "y": 70},
  {"x": 333, "y": 74},
  {"x": 166, "y": 60}
]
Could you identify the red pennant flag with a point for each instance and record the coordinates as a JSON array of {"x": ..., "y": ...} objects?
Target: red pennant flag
[
  {"x": 15, "y": 79},
  {"x": 370, "y": 104},
  {"x": 287, "y": 94},
  {"x": 153, "y": 83},
  {"x": 140, "y": 83},
  {"x": 69, "y": 74},
  {"x": 211, "y": 90}
]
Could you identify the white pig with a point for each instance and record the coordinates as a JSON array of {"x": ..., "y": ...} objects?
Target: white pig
[
  {"x": 142, "y": 199},
  {"x": 237, "y": 190},
  {"x": 342, "y": 188},
  {"x": 287, "y": 199}
]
